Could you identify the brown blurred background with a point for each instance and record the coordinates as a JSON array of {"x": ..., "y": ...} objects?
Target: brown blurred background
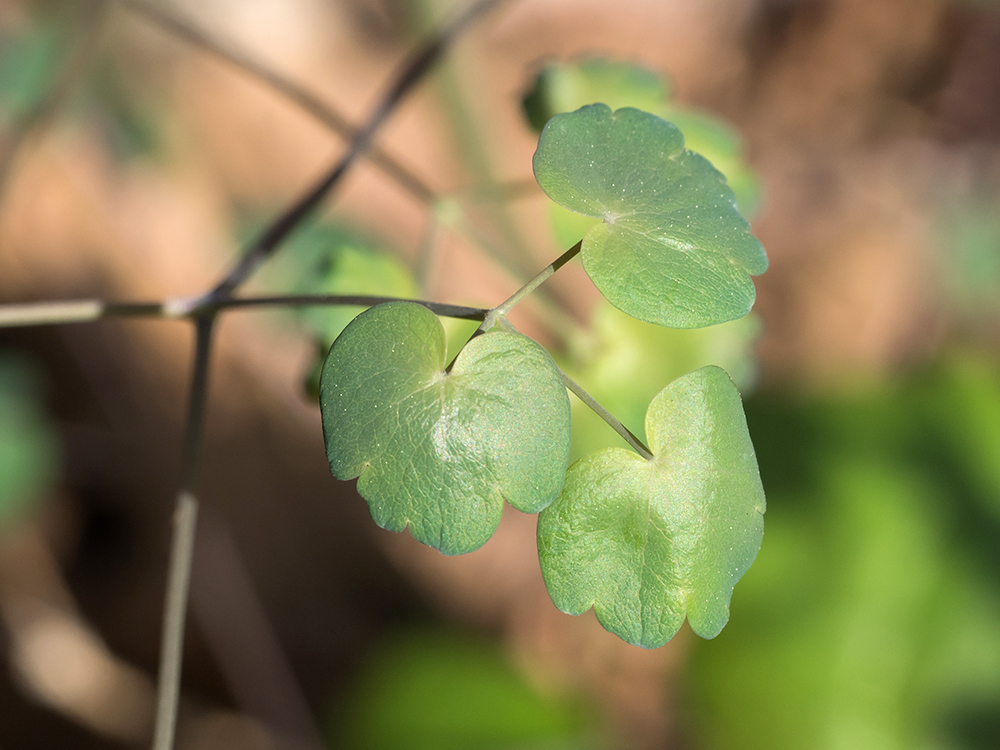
[{"x": 135, "y": 164}]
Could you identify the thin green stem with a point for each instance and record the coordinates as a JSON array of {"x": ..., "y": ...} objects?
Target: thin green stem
[
  {"x": 508, "y": 304},
  {"x": 607, "y": 416},
  {"x": 591, "y": 402},
  {"x": 497, "y": 316}
]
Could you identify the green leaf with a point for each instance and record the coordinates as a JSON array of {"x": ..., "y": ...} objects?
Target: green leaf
[
  {"x": 440, "y": 452},
  {"x": 672, "y": 248},
  {"x": 647, "y": 543},
  {"x": 564, "y": 87}
]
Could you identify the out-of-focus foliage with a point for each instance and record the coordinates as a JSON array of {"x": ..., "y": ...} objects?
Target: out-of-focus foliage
[
  {"x": 619, "y": 349},
  {"x": 27, "y": 444},
  {"x": 323, "y": 259},
  {"x": 444, "y": 691},
  {"x": 871, "y": 618},
  {"x": 970, "y": 242},
  {"x": 28, "y": 61},
  {"x": 326, "y": 259},
  {"x": 34, "y": 58}
]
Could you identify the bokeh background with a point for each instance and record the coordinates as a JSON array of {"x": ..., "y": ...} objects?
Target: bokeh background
[{"x": 863, "y": 138}]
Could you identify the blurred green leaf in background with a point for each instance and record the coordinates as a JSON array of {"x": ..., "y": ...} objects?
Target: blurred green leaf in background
[
  {"x": 433, "y": 690},
  {"x": 28, "y": 61},
  {"x": 28, "y": 452},
  {"x": 872, "y": 616}
]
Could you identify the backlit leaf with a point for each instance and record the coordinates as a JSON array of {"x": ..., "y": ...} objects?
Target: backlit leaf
[
  {"x": 567, "y": 86},
  {"x": 672, "y": 248},
  {"x": 440, "y": 452},
  {"x": 646, "y": 543}
]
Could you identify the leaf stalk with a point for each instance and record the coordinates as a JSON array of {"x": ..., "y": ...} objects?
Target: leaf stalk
[
  {"x": 501, "y": 310},
  {"x": 637, "y": 445}
]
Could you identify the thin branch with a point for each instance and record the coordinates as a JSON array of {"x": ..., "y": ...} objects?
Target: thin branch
[
  {"x": 47, "y": 313},
  {"x": 197, "y": 400},
  {"x": 607, "y": 416},
  {"x": 323, "y": 112},
  {"x": 175, "y": 610},
  {"x": 331, "y": 118},
  {"x": 305, "y": 300},
  {"x": 36, "y": 118},
  {"x": 413, "y": 72},
  {"x": 182, "y": 544},
  {"x": 85, "y": 311}
]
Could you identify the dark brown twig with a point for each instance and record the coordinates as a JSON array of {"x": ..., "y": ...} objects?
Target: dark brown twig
[{"x": 413, "y": 72}]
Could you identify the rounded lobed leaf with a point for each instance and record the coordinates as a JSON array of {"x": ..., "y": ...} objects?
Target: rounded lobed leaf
[
  {"x": 672, "y": 248},
  {"x": 648, "y": 543},
  {"x": 440, "y": 452}
]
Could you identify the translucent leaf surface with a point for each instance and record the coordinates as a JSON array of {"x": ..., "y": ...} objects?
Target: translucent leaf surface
[
  {"x": 441, "y": 452},
  {"x": 646, "y": 543},
  {"x": 672, "y": 249},
  {"x": 567, "y": 86}
]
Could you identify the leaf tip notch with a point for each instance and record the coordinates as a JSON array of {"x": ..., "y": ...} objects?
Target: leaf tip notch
[
  {"x": 648, "y": 544},
  {"x": 678, "y": 254}
]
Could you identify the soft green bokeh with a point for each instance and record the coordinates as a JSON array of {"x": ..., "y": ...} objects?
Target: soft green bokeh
[
  {"x": 969, "y": 240},
  {"x": 623, "y": 363},
  {"x": 445, "y": 691},
  {"x": 672, "y": 248},
  {"x": 648, "y": 543},
  {"x": 27, "y": 443},
  {"x": 440, "y": 452},
  {"x": 323, "y": 259},
  {"x": 28, "y": 62},
  {"x": 871, "y": 618}
]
